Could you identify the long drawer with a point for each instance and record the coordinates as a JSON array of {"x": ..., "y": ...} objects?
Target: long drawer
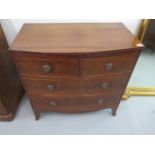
[
  {"x": 76, "y": 85},
  {"x": 64, "y": 102}
]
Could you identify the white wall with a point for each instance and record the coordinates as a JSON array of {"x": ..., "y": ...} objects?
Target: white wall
[{"x": 12, "y": 26}]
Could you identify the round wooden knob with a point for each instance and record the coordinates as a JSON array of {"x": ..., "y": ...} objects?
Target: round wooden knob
[{"x": 109, "y": 66}]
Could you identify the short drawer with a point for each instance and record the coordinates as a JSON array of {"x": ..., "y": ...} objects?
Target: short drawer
[
  {"x": 107, "y": 65},
  {"x": 76, "y": 85},
  {"x": 47, "y": 66},
  {"x": 59, "y": 102}
]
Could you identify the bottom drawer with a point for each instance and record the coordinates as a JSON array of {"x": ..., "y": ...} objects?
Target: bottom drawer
[{"x": 84, "y": 102}]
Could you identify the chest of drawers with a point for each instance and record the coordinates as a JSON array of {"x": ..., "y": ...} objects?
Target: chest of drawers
[{"x": 75, "y": 67}]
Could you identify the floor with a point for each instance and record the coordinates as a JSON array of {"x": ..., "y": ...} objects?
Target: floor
[{"x": 134, "y": 116}]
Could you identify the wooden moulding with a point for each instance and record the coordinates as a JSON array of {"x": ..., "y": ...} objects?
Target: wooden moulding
[
  {"x": 138, "y": 91},
  {"x": 10, "y": 112},
  {"x": 7, "y": 117}
]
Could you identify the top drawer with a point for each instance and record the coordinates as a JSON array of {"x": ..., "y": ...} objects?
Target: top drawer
[
  {"x": 50, "y": 66},
  {"x": 107, "y": 65}
]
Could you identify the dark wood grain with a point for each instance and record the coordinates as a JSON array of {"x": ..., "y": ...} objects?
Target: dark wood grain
[
  {"x": 78, "y": 54},
  {"x": 60, "y": 67},
  {"x": 98, "y": 66},
  {"x": 75, "y": 85},
  {"x": 11, "y": 89},
  {"x": 73, "y": 103},
  {"x": 74, "y": 38}
]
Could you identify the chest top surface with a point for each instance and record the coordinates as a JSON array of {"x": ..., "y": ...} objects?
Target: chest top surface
[{"x": 74, "y": 38}]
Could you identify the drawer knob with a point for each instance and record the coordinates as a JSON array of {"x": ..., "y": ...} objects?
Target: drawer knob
[
  {"x": 53, "y": 103},
  {"x": 109, "y": 66},
  {"x": 50, "y": 87},
  {"x": 100, "y": 101},
  {"x": 46, "y": 68},
  {"x": 104, "y": 85}
]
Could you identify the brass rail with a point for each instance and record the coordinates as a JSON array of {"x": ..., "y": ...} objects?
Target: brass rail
[{"x": 138, "y": 91}]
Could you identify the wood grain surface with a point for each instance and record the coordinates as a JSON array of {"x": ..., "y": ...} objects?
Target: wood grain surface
[{"x": 74, "y": 38}]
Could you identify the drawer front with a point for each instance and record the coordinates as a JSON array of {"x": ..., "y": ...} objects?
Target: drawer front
[
  {"x": 61, "y": 103},
  {"x": 47, "y": 66},
  {"x": 75, "y": 85},
  {"x": 107, "y": 65}
]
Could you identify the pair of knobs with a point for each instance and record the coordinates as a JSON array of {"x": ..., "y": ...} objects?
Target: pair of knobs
[
  {"x": 100, "y": 101},
  {"x": 46, "y": 68},
  {"x": 53, "y": 103},
  {"x": 103, "y": 85}
]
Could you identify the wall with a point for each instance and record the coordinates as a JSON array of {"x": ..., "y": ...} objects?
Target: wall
[{"x": 12, "y": 26}]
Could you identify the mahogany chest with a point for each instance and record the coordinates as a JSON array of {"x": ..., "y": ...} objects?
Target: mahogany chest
[{"x": 75, "y": 67}]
